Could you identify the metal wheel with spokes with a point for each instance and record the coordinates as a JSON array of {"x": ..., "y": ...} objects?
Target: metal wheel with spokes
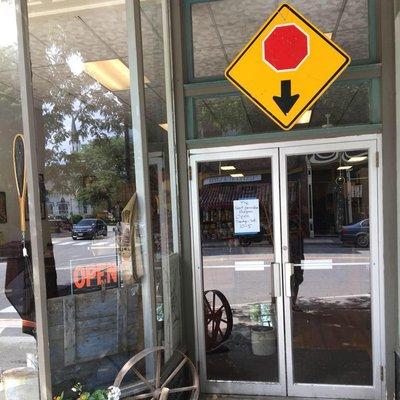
[
  {"x": 218, "y": 319},
  {"x": 162, "y": 384}
]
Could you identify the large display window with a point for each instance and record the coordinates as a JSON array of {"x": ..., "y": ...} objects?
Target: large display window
[{"x": 109, "y": 239}]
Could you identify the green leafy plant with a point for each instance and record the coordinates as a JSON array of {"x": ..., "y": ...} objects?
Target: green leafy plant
[
  {"x": 75, "y": 218},
  {"x": 260, "y": 314},
  {"x": 81, "y": 394}
]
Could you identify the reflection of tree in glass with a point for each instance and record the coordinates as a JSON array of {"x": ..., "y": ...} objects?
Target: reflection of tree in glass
[
  {"x": 96, "y": 174},
  {"x": 221, "y": 116},
  {"x": 10, "y": 111},
  {"x": 10, "y": 106},
  {"x": 95, "y": 171}
]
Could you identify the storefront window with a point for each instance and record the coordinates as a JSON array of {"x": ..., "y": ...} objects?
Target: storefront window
[
  {"x": 345, "y": 103},
  {"x": 221, "y": 28},
  {"x": 17, "y": 311},
  {"x": 94, "y": 264}
]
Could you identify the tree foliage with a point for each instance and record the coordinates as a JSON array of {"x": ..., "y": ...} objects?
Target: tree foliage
[{"x": 94, "y": 175}]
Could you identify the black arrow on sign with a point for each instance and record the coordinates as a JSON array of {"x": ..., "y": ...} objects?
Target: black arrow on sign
[{"x": 286, "y": 101}]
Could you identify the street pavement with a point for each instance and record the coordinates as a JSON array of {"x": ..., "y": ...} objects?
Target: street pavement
[
  {"x": 243, "y": 274},
  {"x": 69, "y": 253},
  {"x": 14, "y": 345}
]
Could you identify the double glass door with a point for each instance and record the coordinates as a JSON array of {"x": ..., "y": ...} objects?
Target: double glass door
[{"x": 285, "y": 247}]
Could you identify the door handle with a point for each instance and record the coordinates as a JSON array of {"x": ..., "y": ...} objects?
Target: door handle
[
  {"x": 288, "y": 273},
  {"x": 275, "y": 279}
]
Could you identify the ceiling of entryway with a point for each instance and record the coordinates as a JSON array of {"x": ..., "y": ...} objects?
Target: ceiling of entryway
[{"x": 221, "y": 28}]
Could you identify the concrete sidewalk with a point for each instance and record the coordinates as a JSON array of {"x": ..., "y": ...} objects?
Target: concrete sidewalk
[{"x": 238, "y": 397}]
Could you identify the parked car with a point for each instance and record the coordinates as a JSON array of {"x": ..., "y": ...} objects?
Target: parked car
[
  {"x": 357, "y": 233},
  {"x": 89, "y": 228}
]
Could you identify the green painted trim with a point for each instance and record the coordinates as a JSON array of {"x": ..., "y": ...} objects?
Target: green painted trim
[
  {"x": 373, "y": 68},
  {"x": 235, "y": 92},
  {"x": 191, "y": 120},
  {"x": 214, "y": 95},
  {"x": 361, "y": 64},
  {"x": 280, "y": 136},
  {"x": 365, "y": 67},
  {"x": 375, "y": 111}
]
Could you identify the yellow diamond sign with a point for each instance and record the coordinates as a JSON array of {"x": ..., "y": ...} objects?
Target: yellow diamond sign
[{"x": 287, "y": 66}]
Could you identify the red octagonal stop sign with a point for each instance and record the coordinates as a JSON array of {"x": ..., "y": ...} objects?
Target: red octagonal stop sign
[{"x": 286, "y": 47}]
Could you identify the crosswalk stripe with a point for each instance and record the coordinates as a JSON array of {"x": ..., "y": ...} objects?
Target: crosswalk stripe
[
  {"x": 10, "y": 323},
  {"x": 64, "y": 243},
  {"x": 7, "y": 310},
  {"x": 102, "y": 243}
]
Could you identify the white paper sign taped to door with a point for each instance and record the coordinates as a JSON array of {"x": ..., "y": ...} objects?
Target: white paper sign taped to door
[{"x": 246, "y": 215}]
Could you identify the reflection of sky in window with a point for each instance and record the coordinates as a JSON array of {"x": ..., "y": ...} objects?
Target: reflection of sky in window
[
  {"x": 65, "y": 146},
  {"x": 75, "y": 62},
  {"x": 8, "y": 24}
]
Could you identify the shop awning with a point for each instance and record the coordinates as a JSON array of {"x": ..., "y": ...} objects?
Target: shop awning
[{"x": 222, "y": 196}]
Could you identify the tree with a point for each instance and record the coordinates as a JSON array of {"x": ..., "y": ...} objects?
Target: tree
[
  {"x": 105, "y": 174},
  {"x": 95, "y": 174}
]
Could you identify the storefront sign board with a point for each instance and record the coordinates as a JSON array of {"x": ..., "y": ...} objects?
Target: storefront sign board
[{"x": 287, "y": 66}]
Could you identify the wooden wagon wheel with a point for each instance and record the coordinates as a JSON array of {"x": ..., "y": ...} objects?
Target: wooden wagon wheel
[
  {"x": 217, "y": 318},
  {"x": 157, "y": 387}
]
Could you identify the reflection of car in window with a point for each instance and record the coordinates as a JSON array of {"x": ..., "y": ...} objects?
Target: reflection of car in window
[
  {"x": 356, "y": 233},
  {"x": 89, "y": 228}
]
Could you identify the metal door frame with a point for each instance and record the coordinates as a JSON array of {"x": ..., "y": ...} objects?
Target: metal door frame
[
  {"x": 279, "y": 151},
  {"x": 235, "y": 387},
  {"x": 326, "y": 390}
]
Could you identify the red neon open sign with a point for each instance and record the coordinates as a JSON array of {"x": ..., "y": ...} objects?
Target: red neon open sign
[{"x": 94, "y": 277}]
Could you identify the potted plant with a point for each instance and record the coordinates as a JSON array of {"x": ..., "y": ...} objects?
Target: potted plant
[
  {"x": 263, "y": 332},
  {"x": 80, "y": 394}
]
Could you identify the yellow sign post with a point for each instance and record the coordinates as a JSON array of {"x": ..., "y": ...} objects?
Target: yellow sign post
[{"x": 287, "y": 66}]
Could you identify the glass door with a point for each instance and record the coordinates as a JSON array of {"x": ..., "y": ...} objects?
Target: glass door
[
  {"x": 330, "y": 269},
  {"x": 237, "y": 250},
  {"x": 286, "y": 255}
]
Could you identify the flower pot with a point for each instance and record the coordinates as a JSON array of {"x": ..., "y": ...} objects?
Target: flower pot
[
  {"x": 21, "y": 384},
  {"x": 263, "y": 340}
]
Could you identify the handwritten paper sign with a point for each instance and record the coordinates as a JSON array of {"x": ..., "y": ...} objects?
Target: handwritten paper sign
[{"x": 246, "y": 215}]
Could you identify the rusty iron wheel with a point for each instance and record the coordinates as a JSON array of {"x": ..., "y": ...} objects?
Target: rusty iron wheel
[
  {"x": 159, "y": 387},
  {"x": 218, "y": 319}
]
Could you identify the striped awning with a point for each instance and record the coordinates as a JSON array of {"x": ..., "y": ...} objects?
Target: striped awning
[{"x": 222, "y": 196}]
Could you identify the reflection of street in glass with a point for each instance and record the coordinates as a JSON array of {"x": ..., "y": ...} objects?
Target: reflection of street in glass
[
  {"x": 68, "y": 251},
  {"x": 349, "y": 278}
]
